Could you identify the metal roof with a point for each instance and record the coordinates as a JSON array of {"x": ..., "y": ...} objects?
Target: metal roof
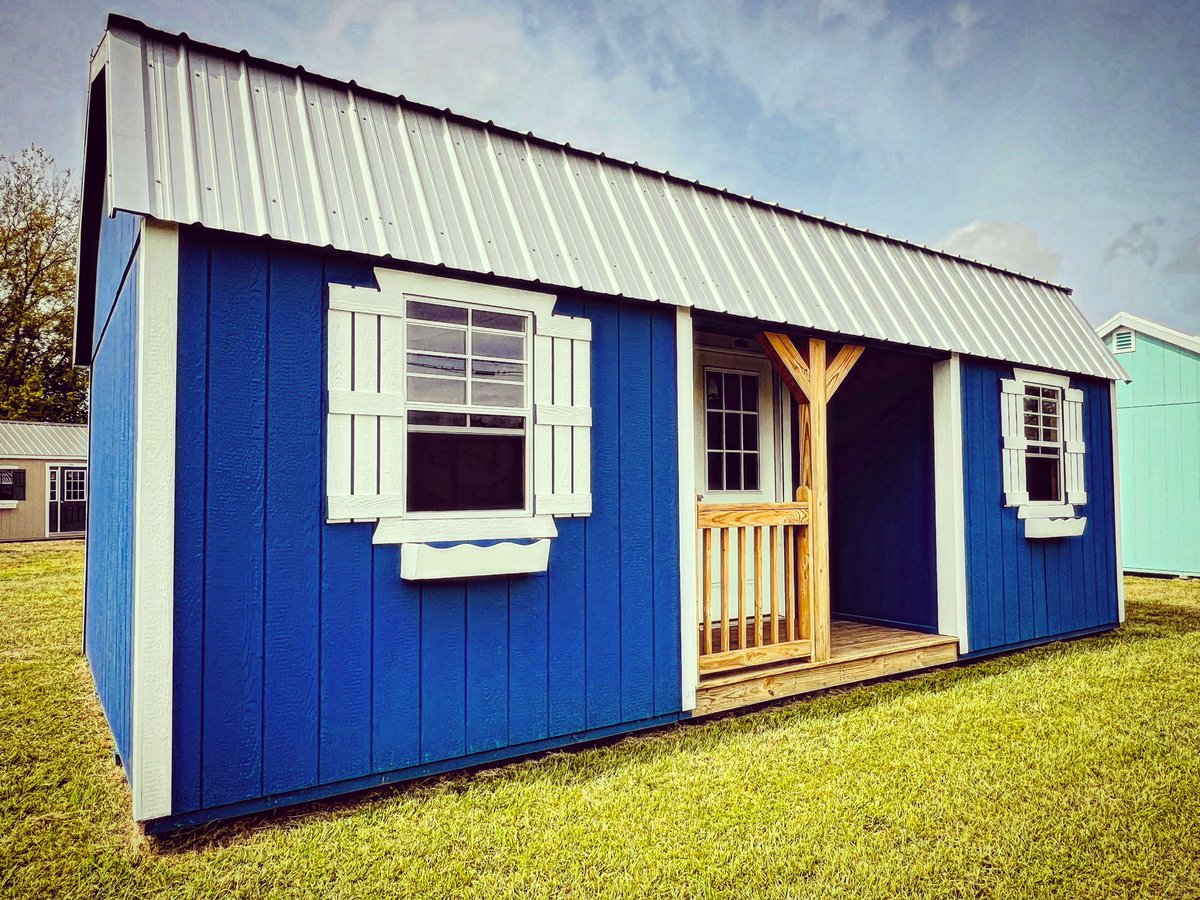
[
  {"x": 198, "y": 134},
  {"x": 42, "y": 440}
]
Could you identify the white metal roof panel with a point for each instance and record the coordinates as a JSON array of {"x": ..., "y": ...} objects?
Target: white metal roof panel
[
  {"x": 42, "y": 440},
  {"x": 203, "y": 135}
]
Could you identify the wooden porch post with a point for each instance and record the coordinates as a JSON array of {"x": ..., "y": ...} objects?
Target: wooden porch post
[{"x": 813, "y": 382}]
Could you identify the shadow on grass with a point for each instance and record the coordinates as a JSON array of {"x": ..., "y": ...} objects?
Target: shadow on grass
[{"x": 572, "y": 766}]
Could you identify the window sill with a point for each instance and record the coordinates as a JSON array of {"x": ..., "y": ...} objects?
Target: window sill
[
  {"x": 1045, "y": 528},
  {"x": 422, "y": 562},
  {"x": 493, "y": 528},
  {"x": 9, "y": 504}
]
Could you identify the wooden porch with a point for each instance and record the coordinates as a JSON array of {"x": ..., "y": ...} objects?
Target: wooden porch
[
  {"x": 764, "y": 611},
  {"x": 858, "y": 652}
]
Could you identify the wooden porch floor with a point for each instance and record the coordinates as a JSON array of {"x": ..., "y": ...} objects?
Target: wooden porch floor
[{"x": 858, "y": 652}]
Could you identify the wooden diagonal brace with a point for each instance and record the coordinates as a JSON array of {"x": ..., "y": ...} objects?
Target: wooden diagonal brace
[
  {"x": 840, "y": 368},
  {"x": 788, "y": 362}
]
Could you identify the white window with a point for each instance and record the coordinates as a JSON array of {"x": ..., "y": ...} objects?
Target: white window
[
  {"x": 469, "y": 407},
  {"x": 1123, "y": 341},
  {"x": 74, "y": 484},
  {"x": 731, "y": 425},
  {"x": 456, "y": 411},
  {"x": 1043, "y": 453}
]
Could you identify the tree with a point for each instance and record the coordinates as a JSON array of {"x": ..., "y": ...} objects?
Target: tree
[{"x": 39, "y": 215}]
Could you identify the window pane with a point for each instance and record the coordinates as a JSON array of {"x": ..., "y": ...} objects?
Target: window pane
[
  {"x": 497, "y": 421},
  {"x": 716, "y": 472},
  {"x": 509, "y": 371},
  {"x": 445, "y": 419},
  {"x": 504, "y": 346},
  {"x": 487, "y": 393},
  {"x": 733, "y": 431},
  {"x": 1031, "y": 405},
  {"x": 1031, "y": 432},
  {"x": 465, "y": 471},
  {"x": 714, "y": 396},
  {"x": 419, "y": 364},
  {"x": 733, "y": 391},
  {"x": 750, "y": 482},
  {"x": 486, "y": 318},
  {"x": 750, "y": 432},
  {"x": 733, "y": 471},
  {"x": 437, "y": 390},
  {"x": 1050, "y": 407},
  {"x": 437, "y": 312},
  {"x": 1041, "y": 477},
  {"x": 750, "y": 393},
  {"x": 714, "y": 434},
  {"x": 439, "y": 340}
]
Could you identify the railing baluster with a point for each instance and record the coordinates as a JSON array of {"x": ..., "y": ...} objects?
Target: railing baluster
[
  {"x": 706, "y": 590},
  {"x": 803, "y": 592},
  {"x": 758, "y": 591},
  {"x": 725, "y": 589},
  {"x": 775, "y": 584},
  {"x": 789, "y": 582},
  {"x": 741, "y": 588}
]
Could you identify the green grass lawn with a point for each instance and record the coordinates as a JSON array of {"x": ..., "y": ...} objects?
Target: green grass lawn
[{"x": 1071, "y": 770}]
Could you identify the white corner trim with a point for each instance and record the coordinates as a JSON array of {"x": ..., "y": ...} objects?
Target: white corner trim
[
  {"x": 1041, "y": 529},
  {"x": 154, "y": 522},
  {"x": 689, "y": 649},
  {"x": 1050, "y": 379},
  {"x": 949, "y": 515},
  {"x": 1116, "y": 489},
  {"x": 420, "y": 562},
  {"x": 498, "y": 528}
]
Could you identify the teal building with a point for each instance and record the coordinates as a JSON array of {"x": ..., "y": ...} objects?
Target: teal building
[{"x": 1158, "y": 429}]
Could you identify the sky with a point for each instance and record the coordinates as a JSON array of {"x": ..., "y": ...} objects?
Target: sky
[{"x": 1057, "y": 139}]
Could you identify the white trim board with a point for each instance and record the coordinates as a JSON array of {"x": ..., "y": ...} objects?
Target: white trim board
[
  {"x": 1116, "y": 489},
  {"x": 689, "y": 649},
  {"x": 154, "y": 522},
  {"x": 949, "y": 515}
]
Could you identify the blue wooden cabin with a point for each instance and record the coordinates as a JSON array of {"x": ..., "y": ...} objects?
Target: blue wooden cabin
[{"x": 420, "y": 443}]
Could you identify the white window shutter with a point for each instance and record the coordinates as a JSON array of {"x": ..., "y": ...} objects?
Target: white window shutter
[
  {"x": 562, "y": 372},
  {"x": 1013, "y": 434},
  {"x": 1073, "y": 446},
  {"x": 365, "y": 425}
]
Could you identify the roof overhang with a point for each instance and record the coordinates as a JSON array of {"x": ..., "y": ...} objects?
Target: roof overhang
[{"x": 196, "y": 134}]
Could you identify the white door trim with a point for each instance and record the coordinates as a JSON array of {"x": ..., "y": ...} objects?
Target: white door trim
[{"x": 949, "y": 515}]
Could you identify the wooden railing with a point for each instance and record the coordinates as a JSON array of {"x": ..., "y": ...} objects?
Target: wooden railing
[{"x": 755, "y": 605}]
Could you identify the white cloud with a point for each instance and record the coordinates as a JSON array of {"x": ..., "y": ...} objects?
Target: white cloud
[
  {"x": 953, "y": 45},
  {"x": 1009, "y": 245}
]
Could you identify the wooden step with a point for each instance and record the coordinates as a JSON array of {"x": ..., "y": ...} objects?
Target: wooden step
[{"x": 859, "y": 661}]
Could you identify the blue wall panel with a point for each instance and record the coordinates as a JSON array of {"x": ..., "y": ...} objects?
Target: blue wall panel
[
  {"x": 1020, "y": 590},
  {"x": 117, "y": 246},
  {"x": 336, "y": 668},
  {"x": 112, "y": 437},
  {"x": 883, "y": 564}
]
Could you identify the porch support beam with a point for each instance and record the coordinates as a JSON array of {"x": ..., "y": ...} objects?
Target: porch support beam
[
  {"x": 818, "y": 529},
  {"x": 813, "y": 381}
]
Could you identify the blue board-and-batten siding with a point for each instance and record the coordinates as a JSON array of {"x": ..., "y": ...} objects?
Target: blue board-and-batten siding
[
  {"x": 1021, "y": 590},
  {"x": 108, "y": 617},
  {"x": 301, "y": 659}
]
